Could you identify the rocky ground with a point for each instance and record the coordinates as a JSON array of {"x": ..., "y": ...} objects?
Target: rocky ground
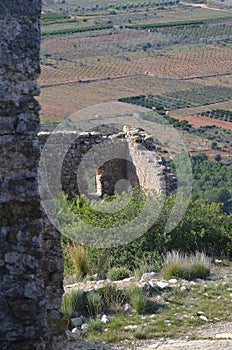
[
  {"x": 202, "y": 344},
  {"x": 215, "y": 336},
  {"x": 220, "y": 339}
]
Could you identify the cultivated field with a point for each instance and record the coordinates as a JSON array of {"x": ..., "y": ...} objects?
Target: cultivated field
[
  {"x": 177, "y": 53},
  {"x": 195, "y": 110},
  {"x": 197, "y": 121},
  {"x": 78, "y": 96},
  {"x": 189, "y": 65}
]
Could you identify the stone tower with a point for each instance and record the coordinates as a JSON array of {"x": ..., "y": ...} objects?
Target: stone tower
[{"x": 31, "y": 278}]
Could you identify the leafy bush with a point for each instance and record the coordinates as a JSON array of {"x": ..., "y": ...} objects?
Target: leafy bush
[
  {"x": 203, "y": 228},
  {"x": 91, "y": 278},
  {"x": 217, "y": 157},
  {"x": 118, "y": 273},
  {"x": 212, "y": 181},
  {"x": 186, "y": 267}
]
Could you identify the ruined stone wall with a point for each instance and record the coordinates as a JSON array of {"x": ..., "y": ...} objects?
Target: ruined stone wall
[
  {"x": 30, "y": 290},
  {"x": 151, "y": 169},
  {"x": 130, "y": 156}
]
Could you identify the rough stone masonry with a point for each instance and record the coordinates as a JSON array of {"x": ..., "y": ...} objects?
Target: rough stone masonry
[
  {"x": 119, "y": 160},
  {"x": 30, "y": 267}
]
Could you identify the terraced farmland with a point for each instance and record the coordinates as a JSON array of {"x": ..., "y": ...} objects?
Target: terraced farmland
[{"x": 187, "y": 67}]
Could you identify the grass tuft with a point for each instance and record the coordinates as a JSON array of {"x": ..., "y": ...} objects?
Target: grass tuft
[
  {"x": 96, "y": 327},
  {"x": 75, "y": 301},
  {"x": 94, "y": 303},
  {"x": 79, "y": 258},
  {"x": 187, "y": 267},
  {"x": 137, "y": 299}
]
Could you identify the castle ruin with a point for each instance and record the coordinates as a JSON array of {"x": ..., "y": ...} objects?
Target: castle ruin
[{"x": 129, "y": 158}]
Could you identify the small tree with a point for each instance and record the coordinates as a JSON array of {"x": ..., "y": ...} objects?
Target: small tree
[
  {"x": 214, "y": 145},
  {"x": 217, "y": 157}
]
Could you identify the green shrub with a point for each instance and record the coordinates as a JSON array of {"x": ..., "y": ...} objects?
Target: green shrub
[
  {"x": 90, "y": 278},
  {"x": 217, "y": 157},
  {"x": 75, "y": 301},
  {"x": 139, "y": 303},
  {"x": 175, "y": 269},
  {"x": 204, "y": 227},
  {"x": 68, "y": 265},
  {"x": 118, "y": 273},
  {"x": 186, "y": 267}
]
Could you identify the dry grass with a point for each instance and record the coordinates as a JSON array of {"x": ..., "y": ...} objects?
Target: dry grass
[
  {"x": 186, "y": 266},
  {"x": 79, "y": 259}
]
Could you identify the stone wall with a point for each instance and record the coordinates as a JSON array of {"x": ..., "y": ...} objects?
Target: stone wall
[
  {"x": 119, "y": 160},
  {"x": 152, "y": 170},
  {"x": 30, "y": 289}
]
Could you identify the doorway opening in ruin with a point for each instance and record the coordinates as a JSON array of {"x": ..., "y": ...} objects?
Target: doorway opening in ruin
[
  {"x": 116, "y": 175},
  {"x": 91, "y": 178}
]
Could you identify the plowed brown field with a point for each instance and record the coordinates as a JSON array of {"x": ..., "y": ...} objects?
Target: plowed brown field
[{"x": 197, "y": 121}]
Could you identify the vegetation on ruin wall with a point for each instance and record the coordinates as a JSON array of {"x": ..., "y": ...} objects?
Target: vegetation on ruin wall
[{"x": 77, "y": 30}]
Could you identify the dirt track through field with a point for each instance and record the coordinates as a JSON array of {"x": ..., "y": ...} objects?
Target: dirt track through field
[{"x": 204, "y": 6}]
